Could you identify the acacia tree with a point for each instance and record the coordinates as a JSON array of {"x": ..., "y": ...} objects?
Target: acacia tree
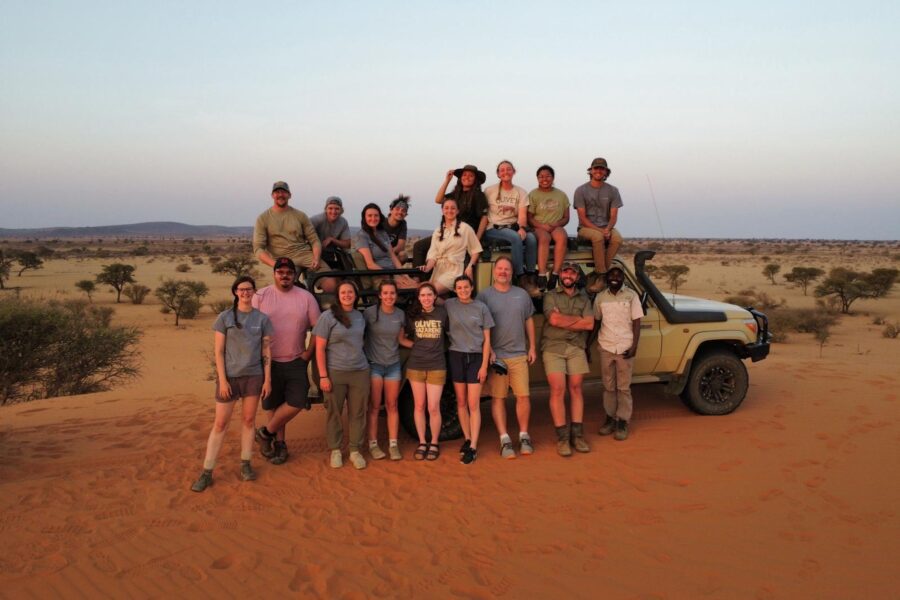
[
  {"x": 6, "y": 262},
  {"x": 236, "y": 266},
  {"x": 87, "y": 286},
  {"x": 181, "y": 297},
  {"x": 117, "y": 275},
  {"x": 770, "y": 271},
  {"x": 29, "y": 260},
  {"x": 803, "y": 276},
  {"x": 849, "y": 286},
  {"x": 675, "y": 275}
]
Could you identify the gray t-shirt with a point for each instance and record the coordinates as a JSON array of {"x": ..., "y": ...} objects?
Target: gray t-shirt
[
  {"x": 510, "y": 311},
  {"x": 361, "y": 239},
  {"x": 243, "y": 347},
  {"x": 382, "y": 347},
  {"x": 467, "y": 324},
  {"x": 339, "y": 230},
  {"x": 597, "y": 202},
  {"x": 345, "y": 346}
]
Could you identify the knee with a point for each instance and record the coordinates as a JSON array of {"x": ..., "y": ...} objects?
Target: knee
[
  {"x": 249, "y": 421},
  {"x": 220, "y": 426},
  {"x": 391, "y": 405}
]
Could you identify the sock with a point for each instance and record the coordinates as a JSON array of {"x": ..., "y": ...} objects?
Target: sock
[
  {"x": 393, "y": 443},
  {"x": 504, "y": 439},
  {"x": 247, "y": 436},
  {"x": 373, "y": 443},
  {"x": 562, "y": 432},
  {"x": 213, "y": 445},
  {"x": 523, "y": 434}
]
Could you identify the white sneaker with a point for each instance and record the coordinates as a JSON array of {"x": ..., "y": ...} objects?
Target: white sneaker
[
  {"x": 337, "y": 461},
  {"x": 357, "y": 460}
]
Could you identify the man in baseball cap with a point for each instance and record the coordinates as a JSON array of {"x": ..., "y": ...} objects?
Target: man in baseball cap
[
  {"x": 333, "y": 230},
  {"x": 598, "y": 204}
]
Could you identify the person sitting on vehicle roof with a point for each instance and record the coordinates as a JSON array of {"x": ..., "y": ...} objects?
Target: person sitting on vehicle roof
[
  {"x": 395, "y": 225},
  {"x": 374, "y": 246},
  {"x": 598, "y": 205},
  {"x": 548, "y": 214},
  {"x": 333, "y": 231},
  {"x": 450, "y": 243}
]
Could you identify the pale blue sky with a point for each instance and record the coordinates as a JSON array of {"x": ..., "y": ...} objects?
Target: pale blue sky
[{"x": 751, "y": 119}]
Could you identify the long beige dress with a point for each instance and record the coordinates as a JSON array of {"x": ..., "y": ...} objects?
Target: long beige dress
[{"x": 450, "y": 254}]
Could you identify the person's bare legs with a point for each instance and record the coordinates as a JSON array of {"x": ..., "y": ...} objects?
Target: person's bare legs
[
  {"x": 376, "y": 385},
  {"x": 557, "y": 383},
  {"x": 523, "y": 411},
  {"x": 474, "y": 412},
  {"x": 217, "y": 434},
  {"x": 576, "y": 398},
  {"x": 560, "y": 245},
  {"x": 248, "y": 425},
  {"x": 278, "y": 418},
  {"x": 434, "y": 392},
  {"x": 391, "y": 393},
  {"x": 543, "y": 250},
  {"x": 498, "y": 412},
  {"x": 462, "y": 408},
  {"x": 419, "y": 400}
]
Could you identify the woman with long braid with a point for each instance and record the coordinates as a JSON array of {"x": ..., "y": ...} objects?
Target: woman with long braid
[{"x": 450, "y": 243}]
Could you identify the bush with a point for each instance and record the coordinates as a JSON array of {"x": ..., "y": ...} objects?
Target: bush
[
  {"x": 891, "y": 330},
  {"x": 197, "y": 260},
  {"x": 53, "y": 349},
  {"x": 183, "y": 268},
  {"x": 236, "y": 266},
  {"x": 136, "y": 292},
  {"x": 799, "y": 320},
  {"x": 221, "y": 305},
  {"x": 751, "y": 297},
  {"x": 182, "y": 297}
]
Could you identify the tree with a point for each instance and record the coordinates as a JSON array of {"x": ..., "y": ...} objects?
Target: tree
[
  {"x": 803, "y": 276},
  {"x": 236, "y": 266},
  {"x": 136, "y": 292},
  {"x": 29, "y": 260},
  {"x": 676, "y": 275},
  {"x": 87, "y": 286},
  {"x": 117, "y": 275},
  {"x": 6, "y": 262},
  {"x": 181, "y": 297},
  {"x": 770, "y": 271},
  {"x": 849, "y": 286}
]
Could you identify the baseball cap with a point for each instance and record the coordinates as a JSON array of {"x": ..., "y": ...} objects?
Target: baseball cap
[
  {"x": 284, "y": 262},
  {"x": 599, "y": 162},
  {"x": 334, "y": 200},
  {"x": 569, "y": 265},
  {"x": 281, "y": 185}
]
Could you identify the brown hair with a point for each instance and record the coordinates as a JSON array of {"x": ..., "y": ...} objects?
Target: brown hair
[{"x": 337, "y": 310}]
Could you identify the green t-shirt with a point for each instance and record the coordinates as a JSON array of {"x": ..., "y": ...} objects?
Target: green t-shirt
[
  {"x": 557, "y": 339},
  {"x": 547, "y": 207}
]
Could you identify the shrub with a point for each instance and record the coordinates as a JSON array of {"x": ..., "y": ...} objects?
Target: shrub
[
  {"x": 799, "y": 320},
  {"x": 236, "y": 266},
  {"x": 197, "y": 260},
  {"x": 136, "y": 293},
  {"x": 803, "y": 276},
  {"x": 88, "y": 287},
  {"x": 750, "y": 297},
  {"x": 221, "y": 305},
  {"x": 675, "y": 275},
  {"x": 770, "y": 270},
  {"x": 183, "y": 268},
  {"x": 891, "y": 330},
  {"x": 52, "y": 349},
  {"x": 182, "y": 297},
  {"x": 849, "y": 286}
]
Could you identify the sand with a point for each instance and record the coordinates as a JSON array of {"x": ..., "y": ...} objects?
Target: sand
[{"x": 793, "y": 495}]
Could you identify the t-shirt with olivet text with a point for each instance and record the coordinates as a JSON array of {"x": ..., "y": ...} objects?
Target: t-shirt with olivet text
[
  {"x": 243, "y": 345},
  {"x": 503, "y": 205},
  {"x": 345, "y": 345},
  {"x": 467, "y": 324},
  {"x": 382, "y": 329},
  {"x": 427, "y": 331},
  {"x": 510, "y": 310}
]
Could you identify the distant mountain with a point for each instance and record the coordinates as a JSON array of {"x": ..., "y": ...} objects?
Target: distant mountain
[{"x": 139, "y": 230}]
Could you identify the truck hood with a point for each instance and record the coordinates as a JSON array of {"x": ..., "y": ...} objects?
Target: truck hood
[{"x": 689, "y": 303}]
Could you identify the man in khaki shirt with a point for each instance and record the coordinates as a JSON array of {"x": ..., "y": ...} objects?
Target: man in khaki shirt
[
  {"x": 619, "y": 311},
  {"x": 283, "y": 230}
]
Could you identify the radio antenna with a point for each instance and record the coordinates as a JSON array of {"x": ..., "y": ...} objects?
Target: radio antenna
[{"x": 655, "y": 207}]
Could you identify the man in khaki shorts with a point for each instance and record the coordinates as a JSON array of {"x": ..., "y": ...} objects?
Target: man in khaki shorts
[
  {"x": 512, "y": 344},
  {"x": 619, "y": 311},
  {"x": 284, "y": 231},
  {"x": 598, "y": 204},
  {"x": 569, "y": 318}
]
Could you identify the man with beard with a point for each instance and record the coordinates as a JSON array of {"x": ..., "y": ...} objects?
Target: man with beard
[
  {"x": 598, "y": 204},
  {"x": 293, "y": 312},
  {"x": 333, "y": 231},
  {"x": 568, "y": 319},
  {"x": 619, "y": 311},
  {"x": 512, "y": 345}
]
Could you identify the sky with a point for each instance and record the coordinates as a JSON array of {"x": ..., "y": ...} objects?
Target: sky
[{"x": 718, "y": 119}]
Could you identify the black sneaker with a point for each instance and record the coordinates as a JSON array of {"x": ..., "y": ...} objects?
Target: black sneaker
[
  {"x": 469, "y": 456},
  {"x": 621, "y": 431},
  {"x": 542, "y": 282},
  {"x": 203, "y": 482},
  {"x": 609, "y": 426},
  {"x": 554, "y": 280},
  {"x": 281, "y": 454},
  {"x": 247, "y": 472},
  {"x": 265, "y": 441},
  {"x": 465, "y": 446}
]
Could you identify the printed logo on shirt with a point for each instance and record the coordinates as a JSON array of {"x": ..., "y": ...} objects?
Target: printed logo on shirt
[{"x": 428, "y": 329}]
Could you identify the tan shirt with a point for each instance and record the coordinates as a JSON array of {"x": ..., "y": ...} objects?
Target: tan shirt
[
  {"x": 289, "y": 233},
  {"x": 503, "y": 205},
  {"x": 557, "y": 339},
  {"x": 616, "y": 313}
]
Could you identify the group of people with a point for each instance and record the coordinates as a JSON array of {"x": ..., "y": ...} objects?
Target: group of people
[{"x": 263, "y": 348}]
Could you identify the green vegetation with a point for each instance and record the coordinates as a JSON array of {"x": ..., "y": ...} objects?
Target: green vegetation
[
  {"x": 675, "y": 275},
  {"x": 181, "y": 297},
  {"x": 88, "y": 287},
  {"x": 116, "y": 275},
  {"x": 803, "y": 276},
  {"x": 236, "y": 266},
  {"x": 849, "y": 286},
  {"x": 770, "y": 271},
  {"x": 29, "y": 260},
  {"x": 136, "y": 292}
]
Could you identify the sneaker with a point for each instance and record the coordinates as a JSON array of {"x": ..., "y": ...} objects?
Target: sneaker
[
  {"x": 469, "y": 456},
  {"x": 337, "y": 460},
  {"x": 203, "y": 482},
  {"x": 553, "y": 281},
  {"x": 608, "y": 427},
  {"x": 542, "y": 282},
  {"x": 596, "y": 282},
  {"x": 563, "y": 448},
  {"x": 376, "y": 452},
  {"x": 580, "y": 444},
  {"x": 394, "y": 452},
  {"x": 621, "y": 431},
  {"x": 281, "y": 454},
  {"x": 527, "y": 283},
  {"x": 265, "y": 441},
  {"x": 506, "y": 450},
  {"x": 525, "y": 446},
  {"x": 465, "y": 446},
  {"x": 247, "y": 472},
  {"x": 357, "y": 460}
]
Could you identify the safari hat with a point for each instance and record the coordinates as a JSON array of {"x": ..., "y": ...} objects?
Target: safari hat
[{"x": 479, "y": 175}]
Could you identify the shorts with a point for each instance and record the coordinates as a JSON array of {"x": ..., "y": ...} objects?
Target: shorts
[
  {"x": 392, "y": 372},
  {"x": 464, "y": 366},
  {"x": 242, "y": 387},
  {"x": 516, "y": 378},
  {"x": 432, "y": 376},
  {"x": 573, "y": 361},
  {"x": 290, "y": 383}
]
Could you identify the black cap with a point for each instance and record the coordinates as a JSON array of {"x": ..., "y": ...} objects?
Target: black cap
[{"x": 282, "y": 262}]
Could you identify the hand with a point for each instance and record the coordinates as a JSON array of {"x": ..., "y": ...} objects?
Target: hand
[
  {"x": 314, "y": 265},
  {"x": 482, "y": 375},
  {"x": 468, "y": 271},
  {"x": 306, "y": 354},
  {"x": 449, "y": 175},
  {"x": 629, "y": 353},
  {"x": 224, "y": 390},
  {"x": 522, "y": 233},
  {"x": 425, "y": 268},
  {"x": 327, "y": 241},
  {"x": 532, "y": 356},
  {"x": 325, "y": 384},
  {"x": 606, "y": 232},
  {"x": 266, "y": 390},
  {"x": 553, "y": 319},
  {"x": 493, "y": 357}
]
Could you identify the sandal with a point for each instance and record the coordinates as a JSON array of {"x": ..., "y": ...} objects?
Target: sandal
[
  {"x": 433, "y": 452},
  {"x": 421, "y": 451}
]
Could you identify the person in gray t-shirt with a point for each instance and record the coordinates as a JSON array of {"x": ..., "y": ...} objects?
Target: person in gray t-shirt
[
  {"x": 513, "y": 342},
  {"x": 333, "y": 230},
  {"x": 598, "y": 204},
  {"x": 343, "y": 372}
]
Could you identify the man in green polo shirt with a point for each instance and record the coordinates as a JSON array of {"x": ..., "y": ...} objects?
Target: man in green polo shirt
[{"x": 569, "y": 318}]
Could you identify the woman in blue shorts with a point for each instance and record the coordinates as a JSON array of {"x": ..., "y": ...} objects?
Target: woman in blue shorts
[
  {"x": 385, "y": 333},
  {"x": 243, "y": 370},
  {"x": 470, "y": 351}
]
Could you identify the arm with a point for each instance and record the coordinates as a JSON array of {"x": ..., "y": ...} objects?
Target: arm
[
  {"x": 470, "y": 269},
  {"x": 583, "y": 220},
  {"x": 309, "y": 232},
  {"x": 224, "y": 390},
  {"x": 636, "y": 334},
  {"x": 482, "y": 225},
  {"x": 261, "y": 241},
  {"x": 267, "y": 366},
  {"x": 400, "y": 247},
  {"x": 403, "y": 340},
  {"x": 394, "y": 260},
  {"x": 529, "y": 329},
  {"x": 322, "y": 362},
  {"x": 571, "y": 322},
  {"x": 367, "y": 256},
  {"x": 563, "y": 221},
  {"x": 523, "y": 217},
  {"x": 485, "y": 356},
  {"x": 613, "y": 218},
  {"x": 442, "y": 191}
]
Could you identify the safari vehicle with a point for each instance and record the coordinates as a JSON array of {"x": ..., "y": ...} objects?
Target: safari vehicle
[{"x": 694, "y": 347}]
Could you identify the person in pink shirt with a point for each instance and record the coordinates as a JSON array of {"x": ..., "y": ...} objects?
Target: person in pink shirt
[{"x": 293, "y": 312}]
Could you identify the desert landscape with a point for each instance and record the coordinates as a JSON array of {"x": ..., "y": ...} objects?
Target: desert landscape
[{"x": 793, "y": 495}]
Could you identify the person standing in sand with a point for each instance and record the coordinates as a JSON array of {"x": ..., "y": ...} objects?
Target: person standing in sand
[
  {"x": 243, "y": 369},
  {"x": 512, "y": 346},
  {"x": 619, "y": 311},
  {"x": 344, "y": 373},
  {"x": 333, "y": 231},
  {"x": 293, "y": 312},
  {"x": 548, "y": 214},
  {"x": 568, "y": 320},
  {"x": 598, "y": 204},
  {"x": 283, "y": 230}
]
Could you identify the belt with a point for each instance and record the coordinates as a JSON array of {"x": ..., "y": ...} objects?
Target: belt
[{"x": 514, "y": 226}]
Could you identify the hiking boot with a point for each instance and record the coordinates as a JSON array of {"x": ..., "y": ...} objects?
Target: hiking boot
[
  {"x": 203, "y": 482},
  {"x": 265, "y": 441},
  {"x": 578, "y": 440},
  {"x": 336, "y": 460},
  {"x": 465, "y": 446},
  {"x": 596, "y": 282},
  {"x": 608, "y": 427},
  {"x": 542, "y": 282},
  {"x": 376, "y": 452},
  {"x": 357, "y": 460},
  {"x": 394, "y": 452},
  {"x": 469, "y": 456},
  {"x": 506, "y": 450},
  {"x": 621, "y": 431},
  {"x": 247, "y": 472},
  {"x": 281, "y": 454},
  {"x": 553, "y": 281},
  {"x": 525, "y": 445},
  {"x": 527, "y": 282},
  {"x": 563, "y": 447}
]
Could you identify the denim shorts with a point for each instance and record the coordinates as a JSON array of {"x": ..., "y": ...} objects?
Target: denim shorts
[{"x": 392, "y": 372}]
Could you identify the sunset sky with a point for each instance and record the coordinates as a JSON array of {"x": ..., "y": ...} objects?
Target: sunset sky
[{"x": 769, "y": 119}]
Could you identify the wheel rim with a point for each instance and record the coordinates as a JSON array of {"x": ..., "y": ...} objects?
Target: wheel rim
[{"x": 718, "y": 385}]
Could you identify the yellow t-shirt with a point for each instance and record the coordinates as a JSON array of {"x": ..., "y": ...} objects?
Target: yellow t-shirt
[{"x": 547, "y": 207}]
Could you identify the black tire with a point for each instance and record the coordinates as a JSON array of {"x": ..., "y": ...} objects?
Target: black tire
[
  {"x": 450, "y": 428},
  {"x": 717, "y": 384}
]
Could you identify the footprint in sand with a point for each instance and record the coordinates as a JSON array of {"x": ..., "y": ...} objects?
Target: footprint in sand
[
  {"x": 729, "y": 465},
  {"x": 769, "y": 494},
  {"x": 809, "y": 568},
  {"x": 814, "y": 482},
  {"x": 104, "y": 563},
  {"x": 224, "y": 562}
]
